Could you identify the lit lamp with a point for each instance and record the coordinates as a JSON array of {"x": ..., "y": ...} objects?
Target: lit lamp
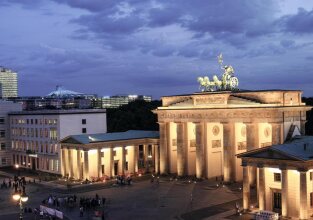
[{"x": 20, "y": 196}]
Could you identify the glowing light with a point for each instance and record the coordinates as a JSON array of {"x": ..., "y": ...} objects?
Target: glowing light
[
  {"x": 17, "y": 166},
  {"x": 104, "y": 149},
  {"x": 92, "y": 151},
  {"x": 16, "y": 196}
]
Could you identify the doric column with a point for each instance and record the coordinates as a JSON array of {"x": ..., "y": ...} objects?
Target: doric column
[
  {"x": 229, "y": 152},
  {"x": 252, "y": 143},
  {"x": 157, "y": 159},
  {"x": 111, "y": 162},
  {"x": 79, "y": 165},
  {"x": 145, "y": 156},
  {"x": 123, "y": 159},
  {"x": 246, "y": 187},
  {"x": 284, "y": 192},
  {"x": 70, "y": 163},
  {"x": 302, "y": 126},
  {"x": 261, "y": 189},
  {"x": 163, "y": 148},
  {"x": 276, "y": 133},
  {"x": 136, "y": 153},
  {"x": 181, "y": 149},
  {"x": 200, "y": 150},
  {"x": 303, "y": 195},
  {"x": 63, "y": 162},
  {"x": 99, "y": 162},
  {"x": 86, "y": 165}
]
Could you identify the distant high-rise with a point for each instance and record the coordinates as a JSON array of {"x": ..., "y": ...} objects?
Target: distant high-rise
[{"x": 8, "y": 83}]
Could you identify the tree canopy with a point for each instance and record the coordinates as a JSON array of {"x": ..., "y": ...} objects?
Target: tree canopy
[{"x": 136, "y": 115}]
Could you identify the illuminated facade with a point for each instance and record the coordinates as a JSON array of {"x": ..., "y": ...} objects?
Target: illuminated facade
[
  {"x": 284, "y": 180},
  {"x": 93, "y": 156},
  {"x": 201, "y": 133},
  {"x": 119, "y": 100},
  {"x": 8, "y": 83},
  {"x": 5, "y": 143},
  {"x": 35, "y": 134}
]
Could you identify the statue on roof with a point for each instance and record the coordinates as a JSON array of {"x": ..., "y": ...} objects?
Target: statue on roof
[{"x": 228, "y": 81}]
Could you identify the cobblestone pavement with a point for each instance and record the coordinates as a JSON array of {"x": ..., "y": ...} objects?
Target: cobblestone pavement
[{"x": 142, "y": 200}]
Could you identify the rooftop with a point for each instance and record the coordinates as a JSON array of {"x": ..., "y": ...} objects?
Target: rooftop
[
  {"x": 61, "y": 92},
  {"x": 59, "y": 112},
  {"x": 106, "y": 137},
  {"x": 300, "y": 148}
]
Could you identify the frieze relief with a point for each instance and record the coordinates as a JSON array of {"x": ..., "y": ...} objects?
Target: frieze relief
[
  {"x": 219, "y": 115},
  {"x": 210, "y": 100}
]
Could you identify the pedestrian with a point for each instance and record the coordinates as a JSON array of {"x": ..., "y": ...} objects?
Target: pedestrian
[{"x": 81, "y": 211}]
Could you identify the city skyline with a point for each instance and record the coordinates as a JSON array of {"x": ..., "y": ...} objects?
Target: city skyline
[{"x": 155, "y": 47}]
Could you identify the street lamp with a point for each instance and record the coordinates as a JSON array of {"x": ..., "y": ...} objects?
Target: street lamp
[{"x": 20, "y": 194}]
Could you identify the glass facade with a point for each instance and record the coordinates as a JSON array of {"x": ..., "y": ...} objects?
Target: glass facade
[{"x": 8, "y": 83}]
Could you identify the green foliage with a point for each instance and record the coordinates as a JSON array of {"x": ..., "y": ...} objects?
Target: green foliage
[{"x": 137, "y": 115}]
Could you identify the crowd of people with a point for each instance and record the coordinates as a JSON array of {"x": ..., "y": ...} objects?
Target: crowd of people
[
  {"x": 121, "y": 180},
  {"x": 12, "y": 183}
]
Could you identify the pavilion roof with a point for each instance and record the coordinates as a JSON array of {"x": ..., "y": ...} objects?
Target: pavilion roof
[
  {"x": 300, "y": 148},
  {"x": 107, "y": 137}
]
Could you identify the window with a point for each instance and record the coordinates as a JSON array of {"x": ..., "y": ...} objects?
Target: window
[
  {"x": 193, "y": 143},
  {"x": 2, "y": 146},
  {"x": 311, "y": 175},
  {"x": 277, "y": 177},
  {"x": 84, "y": 130},
  {"x": 216, "y": 143},
  {"x": 84, "y": 121},
  {"x": 4, "y": 161},
  {"x": 126, "y": 165},
  {"x": 174, "y": 142},
  {"x": 36, "y": 121},
  {"x": 2, "y": 133},
  {"x": 2, "y": 120}
]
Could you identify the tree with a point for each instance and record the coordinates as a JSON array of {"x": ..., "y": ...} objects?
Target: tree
[{"x": 136, "y": 115}]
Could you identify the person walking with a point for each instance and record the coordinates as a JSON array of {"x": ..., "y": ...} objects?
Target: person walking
[{"x": 81, "y": 211}]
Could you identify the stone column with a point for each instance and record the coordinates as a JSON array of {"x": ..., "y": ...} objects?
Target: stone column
[
  {"x": 261, "y": 189},
  {"x": 99, "y": 163},
  {"x": 70, "y": 163},
  {"x": 79, "y": 165},
  {"x": 229, "y": 152},
  {"x": 157, "y": 159},
  {"x": 302, "y": 126},
  {"x": 181, "y": 149},
  {"x": 276, "y": 133},
  {"x": 123, "y": 159},
  {"x": 200, "y": 150},
  {"x": 86, "y": 165},
  {"x": 145, "y": 156},
  {"x": 163, "y": 148},
  {"x": 136, "y": 154},
  {"x": 63, "y": 162},
  {"x": 284, "y": 192},
  {"x": 111, "y": 162},
  {"x": 303, "y": 195},
  {"x": 252, "y": 143},
  {"x": 246, "y": 187}
]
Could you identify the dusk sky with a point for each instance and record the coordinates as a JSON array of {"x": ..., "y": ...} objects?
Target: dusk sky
[{"x": 156, "y": 48}]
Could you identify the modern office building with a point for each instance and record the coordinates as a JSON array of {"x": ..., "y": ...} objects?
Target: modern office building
[
  {"x": 5, "y": 142},
  {"x": 35, "y": 134},
  {"x": 284, "y": 180},
  {"x": 8, "y": 83},
  {"x": 201, "y": 133},
  {"x": 119, "y": 100},
  {"x": 92, "y": 156}
]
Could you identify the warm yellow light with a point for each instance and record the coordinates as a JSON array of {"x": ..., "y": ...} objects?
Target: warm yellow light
[
  {"x": 24, "y": 198},
  {"x": 16, "y": 166},
  {"x": 16, "y": 196}
]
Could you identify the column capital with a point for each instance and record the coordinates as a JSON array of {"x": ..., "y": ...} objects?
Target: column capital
[
  {"x": 283, "y": 167},
  {"x": 244, "y": 164},
  {"x": 260, "y": 165},
  {"x": 302, "y": 169}
]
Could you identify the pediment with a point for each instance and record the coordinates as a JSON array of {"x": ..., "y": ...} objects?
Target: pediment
[
  {"x": 70, "y": 140},
  {"x": 269, "y": 154}
]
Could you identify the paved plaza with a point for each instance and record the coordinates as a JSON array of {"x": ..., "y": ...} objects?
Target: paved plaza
[{"x": 142, "y": 200}]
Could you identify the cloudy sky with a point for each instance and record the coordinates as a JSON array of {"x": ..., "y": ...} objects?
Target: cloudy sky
[{"x": 156, "y": 47}]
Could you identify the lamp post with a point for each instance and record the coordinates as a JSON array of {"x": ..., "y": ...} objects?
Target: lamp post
[{"x": 20, "y": 194}]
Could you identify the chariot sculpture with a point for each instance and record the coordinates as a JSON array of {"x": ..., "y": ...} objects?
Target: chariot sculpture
[{"x": 227, "y": 82}]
